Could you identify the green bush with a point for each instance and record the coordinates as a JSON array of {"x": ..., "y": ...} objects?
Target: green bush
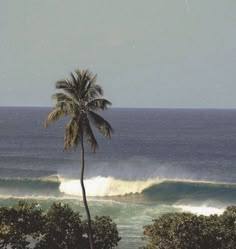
[
  {"x": 189, "y": 231},
  {"x": 19, "y": 224},
  {"x": 28, "y": 226}
]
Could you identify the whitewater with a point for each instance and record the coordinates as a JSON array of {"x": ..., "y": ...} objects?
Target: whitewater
[{"x": 158, "y": 161}]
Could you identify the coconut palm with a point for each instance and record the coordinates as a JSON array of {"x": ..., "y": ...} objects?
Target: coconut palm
[{"x": 80, "y": 97}]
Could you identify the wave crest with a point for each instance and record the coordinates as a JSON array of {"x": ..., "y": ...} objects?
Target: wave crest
[
  {"x": 105, "y": 186},
  {"x": 158, "y": 189}
]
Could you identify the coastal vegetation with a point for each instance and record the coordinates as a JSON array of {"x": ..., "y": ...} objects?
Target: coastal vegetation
[
  {"x": 27, "y": 225},
  {"x": 186, "y": 230},
  {"x": 80, "y": 98}
]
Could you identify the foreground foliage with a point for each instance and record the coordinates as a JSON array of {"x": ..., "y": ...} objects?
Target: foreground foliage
[
  {"x": 28, "y": 226},
  {"x": 189, "y": 231}
]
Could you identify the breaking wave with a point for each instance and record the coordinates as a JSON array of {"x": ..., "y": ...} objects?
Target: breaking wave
[
  {"x": 105, "y": 186},
  {"x": 156, "y": 189}
]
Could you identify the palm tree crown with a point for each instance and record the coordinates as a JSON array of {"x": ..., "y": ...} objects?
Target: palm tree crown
[{"x": 80, "y": 98}]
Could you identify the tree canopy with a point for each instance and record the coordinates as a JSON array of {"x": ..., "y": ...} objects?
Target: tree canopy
[
  {"x": 186, "y": 230},
  {"x": 27, "y": 225},
  {"x": 80, "y": 97}
]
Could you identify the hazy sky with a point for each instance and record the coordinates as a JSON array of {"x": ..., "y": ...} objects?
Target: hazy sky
[{"x": 152, "y": 53}]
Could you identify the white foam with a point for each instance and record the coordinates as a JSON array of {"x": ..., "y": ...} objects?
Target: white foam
[
  {"x": 105, "y": 186},
  {"x": 200, "y": 210}
]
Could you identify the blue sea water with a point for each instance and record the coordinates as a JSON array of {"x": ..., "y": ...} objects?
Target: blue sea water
[{"x": 158, "y": 160}]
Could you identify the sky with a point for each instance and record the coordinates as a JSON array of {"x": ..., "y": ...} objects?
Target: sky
[{"x": 153, "y": 53}]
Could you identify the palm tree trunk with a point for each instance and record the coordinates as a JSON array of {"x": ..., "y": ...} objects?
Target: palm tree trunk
[{"x": 90, "y": 234}]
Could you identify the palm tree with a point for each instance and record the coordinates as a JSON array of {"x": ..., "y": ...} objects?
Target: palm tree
[{"x": 80, "y": 97}]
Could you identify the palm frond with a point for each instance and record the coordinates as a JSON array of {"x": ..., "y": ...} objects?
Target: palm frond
[
  {"x": 79, "y": 97},
  {"x": 54, "y": 115},
  {"x": 75, "y": 82},
  {"x": 81, "y": 79},
  {"x": 78, "y": 75},
  {"x": 103, "y": 126},
  {"x": 68, "y": 87},
  {"x": 92, "y": 90},
  {"x": 96, "y": 104},
  {"x": 69, "y": 108},
  {"x": 84, "y": 77},
  {"x": 73, "y": 79},
  {"x": 66, "y": 103},
  {"x": 62, "y": 97},
  {"x": 97, "y": 89},
  {"x": 63, "y": 84},
  {"x": 87, "y": 84},
  {"x": 72, "y": 134},
  {"x": 89, "y": 134}
]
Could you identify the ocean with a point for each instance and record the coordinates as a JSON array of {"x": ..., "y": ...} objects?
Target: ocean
[{"x": 157, "y": 161}]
